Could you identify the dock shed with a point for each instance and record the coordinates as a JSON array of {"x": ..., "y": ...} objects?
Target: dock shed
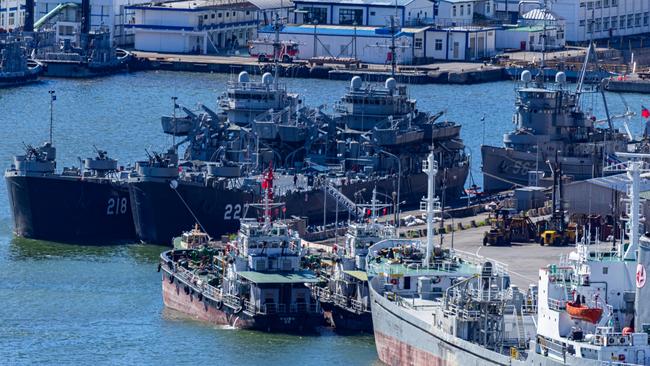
[{"x": 603, "y": 196}]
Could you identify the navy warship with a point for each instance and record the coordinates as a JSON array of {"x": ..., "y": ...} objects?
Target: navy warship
[
  {"x": 317, "y": 157},
  {"x": 253, "y": 282},
  {"x": 15, "y": 66},
  {"x": 87, "y": 205},
  {"x": 91, "y": 55},
  {"x": 550, "y": 119}
]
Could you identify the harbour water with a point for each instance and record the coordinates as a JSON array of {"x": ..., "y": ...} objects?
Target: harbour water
[{"x": 63, "y": 304}]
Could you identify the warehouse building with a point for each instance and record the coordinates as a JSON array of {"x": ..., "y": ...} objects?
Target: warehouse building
[
  {"x": 375, "y": 13},
  {"x": 603, "y": 196}
]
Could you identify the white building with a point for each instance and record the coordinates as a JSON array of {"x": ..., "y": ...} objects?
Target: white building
[
  {"x": 368, "y": 44},
  {"x": 103, "y": 13},
  {"x": 12, "y": 14},
  {"x": 199, "y": 26},
  {"x": 456, "y": 43},
  {"x": 454, "y": 12},
  {"x": 598, "y": 18},
  {"x": 530, "y": 38},
  {"x": 375, "y": 13}
]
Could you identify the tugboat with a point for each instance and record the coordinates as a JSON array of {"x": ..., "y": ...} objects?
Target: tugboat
[
  {"x": 432, "y": 305},
  {"x": 93, "y": 55},
  {"x": 346, "y": 297},
  {"x": 254, "y": 282},
  {"x": 15, "y": 68},
  {"x": 550, "y": 119},
  {"x": 87, "y": 205}
]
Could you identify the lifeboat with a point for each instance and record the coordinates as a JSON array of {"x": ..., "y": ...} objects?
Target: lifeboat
[{"x": 583, "y": 312}]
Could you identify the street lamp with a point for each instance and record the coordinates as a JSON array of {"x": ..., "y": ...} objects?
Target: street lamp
[{"x": 399, "y": 178}]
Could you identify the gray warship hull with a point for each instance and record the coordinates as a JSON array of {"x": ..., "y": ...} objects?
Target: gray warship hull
[{"x": 505, "y": 169}]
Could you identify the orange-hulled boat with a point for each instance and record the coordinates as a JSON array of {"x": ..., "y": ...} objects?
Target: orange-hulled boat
[{"x": 583, "y": 312}]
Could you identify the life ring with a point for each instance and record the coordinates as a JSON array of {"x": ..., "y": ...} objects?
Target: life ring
[
  {"x": 393, "y": 281},
  {"x": 436, "y": 279}
]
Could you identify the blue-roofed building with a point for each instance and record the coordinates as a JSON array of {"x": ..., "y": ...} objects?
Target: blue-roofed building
[{"x": 375, "y": 13}]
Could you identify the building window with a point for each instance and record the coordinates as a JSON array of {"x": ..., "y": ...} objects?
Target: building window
[
  {"x": 614, "y": 22},
  {"x": 590, "y": 27},
  {"x": 598, "y": 25},
  {"x": 598, "y": 4},
  {"x": 248, "y": 12},
  {"x": 622, "y": 22},
  {"x": 469, "y": 9},
  {"x": 582, "y": 4},
  {"x": 372, "y": 13},
  {"x": 312, "y": 15},
  {"x": 350, "y": 16},
  {"x": 605, "y": 23},
  {"x": 462, "y": 10},
  {"x": 227, "y": 14},
  {"x": 590, "y": 5},
  {"x": 637, "y": 20},
  {"x": 582, "y": 23},
  {"x": 605, "y": 3},
  {"x": 630, "y": 20},
  {"x": 453, "y": 11},
  {"x": 438, "y": 44},
  {"x": 205, "y": 16},
  {"x": 614, "y": 3},
  {"x": 645, "y": 18},
  {"x": 11, "y": 18},
  {"x": 418, "y": 43},
  {"x": 212, "y": 15},
  {"x": 219, "y": 15},
  {"x": 487, "y": 7}
]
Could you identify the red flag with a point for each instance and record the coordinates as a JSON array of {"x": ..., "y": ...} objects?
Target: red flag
[
  {"x": 645, "y": 113},
  {"x": 368, "y": 212}
]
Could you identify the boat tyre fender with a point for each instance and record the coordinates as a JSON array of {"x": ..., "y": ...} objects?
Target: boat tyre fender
[
  {"x": 187, "y": 289},
  {"x": 159, "y": 267},
  {"x": 200, "y": 296},
  {"x": 219, "y": 305},
  {"x": 238, "y": 310},
  {"x": 171, "y": 278}
]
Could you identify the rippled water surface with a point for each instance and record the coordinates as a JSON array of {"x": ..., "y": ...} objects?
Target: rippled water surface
[{"x": 62, "y": 304}]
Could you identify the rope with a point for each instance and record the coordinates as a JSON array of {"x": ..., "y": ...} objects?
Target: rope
[{"x": 191, "y": 212}]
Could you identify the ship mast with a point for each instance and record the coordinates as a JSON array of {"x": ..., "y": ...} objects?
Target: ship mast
[
  {"x": 277, "y": 47},
  {"x": 430, "y": 167},
  {"x": 635, "y": 169}
]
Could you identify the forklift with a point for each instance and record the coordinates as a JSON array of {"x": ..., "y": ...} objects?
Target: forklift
[
  {"x": 499, "y": 233},
  {"x": 556, "y": 231}
]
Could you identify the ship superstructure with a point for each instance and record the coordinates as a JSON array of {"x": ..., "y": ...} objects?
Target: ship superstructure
[
  {"x": 346, "y": 295},
  {"x": 592, "y": 305},
  {"x": 15, "y": 66},
  {"x": 433, "y": 305},
  {"x": 550, "y": 120}
]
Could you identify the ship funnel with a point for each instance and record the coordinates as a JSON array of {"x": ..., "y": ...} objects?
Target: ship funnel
[
  {"x": 560, "y": 78},
  {"x": 526, "y": 76},
  {"x": 267, "y": 78},
  {"x": 642, "y": 299},
  {"x": 391, "y": 84},
  {"x": 243, "y": 77},
  {"x": 85, "y": 16},
  {"x": 355, "y": 83},
  {"x": 29, "y": 16}
]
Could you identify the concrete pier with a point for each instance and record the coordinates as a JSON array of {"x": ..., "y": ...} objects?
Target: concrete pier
[{"x": 439, "y": 73}]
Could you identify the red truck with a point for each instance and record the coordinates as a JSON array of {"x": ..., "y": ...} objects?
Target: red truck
[{"x": 263, "y": 50}]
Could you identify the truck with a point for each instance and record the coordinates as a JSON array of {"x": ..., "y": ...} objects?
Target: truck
[{"x": 262, "y": 49}]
